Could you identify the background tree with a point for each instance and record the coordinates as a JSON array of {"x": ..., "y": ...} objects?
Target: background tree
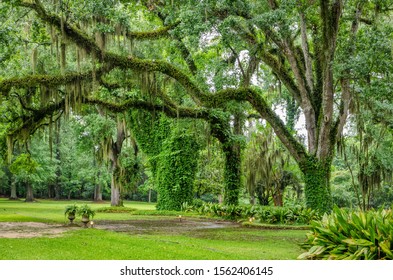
[
  {"x": 25, "y": 167},
  {"x": 267, "y": 168}
]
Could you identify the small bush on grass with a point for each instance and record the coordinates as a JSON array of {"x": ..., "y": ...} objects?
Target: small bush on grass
[{"x": 354, "y": 235}]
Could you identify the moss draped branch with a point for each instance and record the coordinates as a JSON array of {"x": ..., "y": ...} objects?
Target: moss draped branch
[
  {"x": 154, "y": 34},
  {"x": 181, "y": 112},
  {"x": 84, "y": 41},
  {"x": 257, "y": 101},
  {"x": 200, "y": 97},
  {"x": 33, "y": 120},
  {"x": 49, "y": 81}
]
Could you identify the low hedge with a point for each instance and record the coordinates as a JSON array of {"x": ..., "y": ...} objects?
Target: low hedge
[{"x": 262, "y": 214}]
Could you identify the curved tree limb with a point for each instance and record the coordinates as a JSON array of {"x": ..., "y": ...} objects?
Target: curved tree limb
[
  {"x": 154, "y": 34},
  {"x": 251, "y": 95},
  {"x": 182, "y": 112},
  {"x": 32, "y": 121},
  {"x": 49, "y": 81},
  {"x": 84, "y": 41}
]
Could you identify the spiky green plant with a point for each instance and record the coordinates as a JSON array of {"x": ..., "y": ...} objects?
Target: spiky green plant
[{"x": 355, "y": 235}]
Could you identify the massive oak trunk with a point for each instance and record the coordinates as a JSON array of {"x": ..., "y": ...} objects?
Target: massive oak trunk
[
  {"x": 317, "y": 184},
  {"x": 220, "y": 129},
  {"x": 232, "y": 174},
  {"x": 232, "y": 169}
]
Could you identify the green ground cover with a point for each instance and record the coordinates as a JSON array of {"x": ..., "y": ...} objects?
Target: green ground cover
[
  {"x": 53, "y": 211},
  {"x": 152, "y": 242}
]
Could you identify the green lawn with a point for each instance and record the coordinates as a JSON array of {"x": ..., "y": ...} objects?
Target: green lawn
[
  {"x": 81, "y": 244},
  {"x": 49, "y": 211}
]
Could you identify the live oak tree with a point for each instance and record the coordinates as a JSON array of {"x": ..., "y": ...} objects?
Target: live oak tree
[
  {"x": 68, "y": 89},
  {"x": 207, "y": 51},
  {"x": 299, "y": 42}
]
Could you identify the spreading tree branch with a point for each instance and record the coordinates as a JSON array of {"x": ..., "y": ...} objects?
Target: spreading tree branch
[
  {"x": 154, "y": 34},
  {"x": 84, "y": 41},
  {"x": 257, "y": 101},
  {"x": 49, "y": 81}
]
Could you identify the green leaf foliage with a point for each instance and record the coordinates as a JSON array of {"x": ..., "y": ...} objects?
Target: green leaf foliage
[
  {"x": 262, "y": 214},
  {"x": 24, "y": 165},
  {"x": 176, "y": 170},
  {"x": 351, "y": 235},
  {"x": 85, "y": 210}
]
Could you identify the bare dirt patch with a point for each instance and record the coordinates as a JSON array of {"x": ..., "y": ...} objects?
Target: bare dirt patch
[
  {"x": 31, "y": 229},
  {"x": 154, "y": 226},
  {"x": 168, "y": 225}
]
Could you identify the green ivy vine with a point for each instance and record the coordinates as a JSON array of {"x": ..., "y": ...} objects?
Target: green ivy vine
[{"x": 176, "y": 170}]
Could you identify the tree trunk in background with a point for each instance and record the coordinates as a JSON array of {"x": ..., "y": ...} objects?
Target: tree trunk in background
[
  {"x": 115, "y": 163},
  {"x": 220, "y": 199},
  {"x": 97, "y": 189},
  {"x": 252, "y": 199},
  {"x": 57, "y": 185},
  {"x": 29, "y": 192},
  {"x": 97, "y": 193},
  {"x": 13, "y": 195},
  {"x": 277, "y": 198},
  {"x": 52, "y": 191},
  {"x": 115, "y": 190}
]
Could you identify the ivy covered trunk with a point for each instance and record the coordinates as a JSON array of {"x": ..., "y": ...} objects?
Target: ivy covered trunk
[
  {"x": 317, "y": 185},
  {"x": 176, "y": 171},
  {"x": 232, "y": 175},
  {"x": 220, "y": 129}
]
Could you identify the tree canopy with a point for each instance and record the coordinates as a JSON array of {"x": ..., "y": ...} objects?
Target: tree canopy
[{"x": 215, "y": 62}]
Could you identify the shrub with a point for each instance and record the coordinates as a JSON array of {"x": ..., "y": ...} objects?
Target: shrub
[
  {"x": 185, "y": 207},
  {"x": 263, "y": 214},
  {"x": 115, "y": 209},
  {"x": 354, "y": 235}
]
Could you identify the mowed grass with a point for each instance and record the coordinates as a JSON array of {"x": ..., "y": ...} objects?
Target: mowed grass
[
  {"x": 49, "y": 211},
  {"x": 94, "y": 244},
  {"x": 97, "y": 244}
]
